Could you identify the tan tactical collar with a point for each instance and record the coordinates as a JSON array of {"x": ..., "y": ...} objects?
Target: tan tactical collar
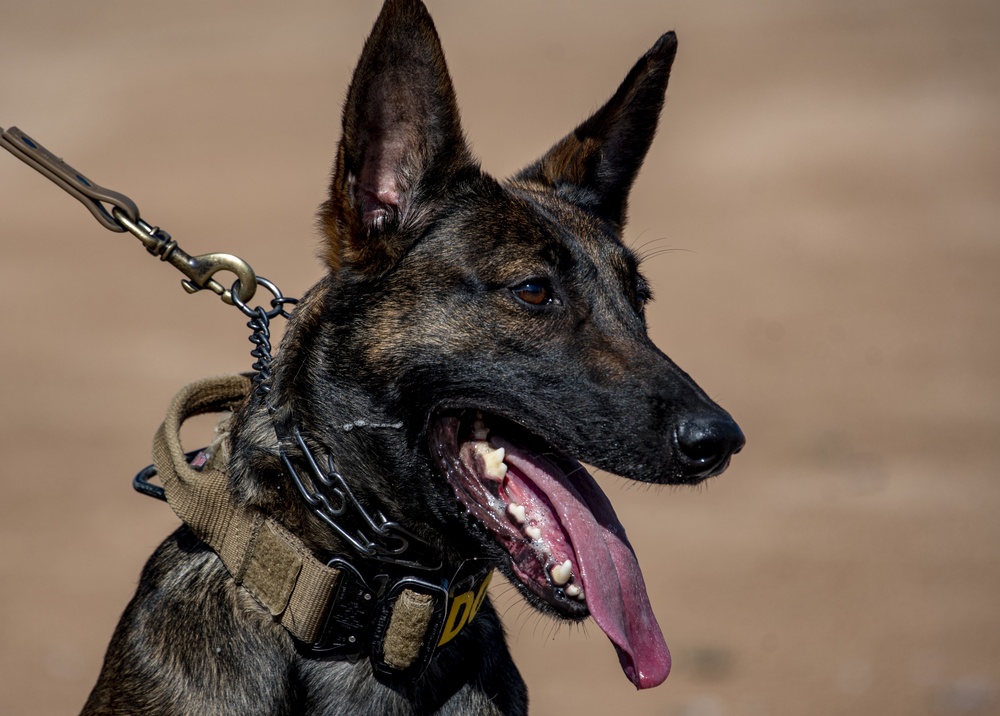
[{"x": 344, "y": 607}]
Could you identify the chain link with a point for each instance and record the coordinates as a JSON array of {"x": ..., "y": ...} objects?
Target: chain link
[
  {"x": 260, "y": 330},
  {"x": 373, "y": 535}
]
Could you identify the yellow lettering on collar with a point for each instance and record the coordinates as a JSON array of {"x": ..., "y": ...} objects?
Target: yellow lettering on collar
[{"x": 463, "y": 608}]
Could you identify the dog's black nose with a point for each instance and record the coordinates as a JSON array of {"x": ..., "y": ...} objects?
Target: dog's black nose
[{"x": 707, "y": 442}]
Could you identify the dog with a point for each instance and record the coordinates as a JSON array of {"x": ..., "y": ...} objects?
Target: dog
[{"x": 425, "y": 420}]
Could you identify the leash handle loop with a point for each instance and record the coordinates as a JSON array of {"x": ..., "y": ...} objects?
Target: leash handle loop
[
  {"x": 90, "y": 194},
  {"x": 119, "y": 213}
]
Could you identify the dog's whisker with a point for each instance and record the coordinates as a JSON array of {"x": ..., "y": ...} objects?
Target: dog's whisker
[
  {"x": 649, "y": 256},
  {"x": 639, "y": 247}
]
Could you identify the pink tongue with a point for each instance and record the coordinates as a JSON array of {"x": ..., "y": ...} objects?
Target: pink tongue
[{"x": 612, "y": 580}]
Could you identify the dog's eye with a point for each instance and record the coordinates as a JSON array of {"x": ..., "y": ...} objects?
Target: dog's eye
[{"x": 536, "y": 292}]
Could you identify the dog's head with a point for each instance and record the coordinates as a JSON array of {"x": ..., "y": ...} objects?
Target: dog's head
[{"x": 502, "y": 325}]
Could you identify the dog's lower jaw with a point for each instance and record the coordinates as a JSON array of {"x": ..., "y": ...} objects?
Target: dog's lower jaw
[{"x": 565, "y": 548}]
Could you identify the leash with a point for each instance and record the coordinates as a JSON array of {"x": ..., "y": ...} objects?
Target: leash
[
  {"x": 118, "y": 213},
  {"x": 338, "y": 608}
]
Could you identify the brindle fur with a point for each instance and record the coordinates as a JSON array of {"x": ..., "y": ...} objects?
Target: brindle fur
[{"x": 416, "y": 313}]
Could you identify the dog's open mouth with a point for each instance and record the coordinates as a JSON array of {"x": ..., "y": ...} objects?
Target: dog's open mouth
[{"x": 565, "y": 544}]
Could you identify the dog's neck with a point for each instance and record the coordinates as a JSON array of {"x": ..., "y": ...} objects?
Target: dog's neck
[
  {"x": 319, "y": 483},
  {"x": 292, "y": 429},
  {"x": 390, "y": 598}
]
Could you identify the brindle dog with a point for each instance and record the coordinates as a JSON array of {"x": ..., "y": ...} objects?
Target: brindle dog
[{"x": 496, "y": 331}]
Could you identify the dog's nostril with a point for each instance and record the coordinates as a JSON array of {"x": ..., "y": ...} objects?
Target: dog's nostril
[{"x": 709, "y": 441}]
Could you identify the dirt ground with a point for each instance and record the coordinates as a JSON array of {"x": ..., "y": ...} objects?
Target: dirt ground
[{"x": 821, "y": 212}]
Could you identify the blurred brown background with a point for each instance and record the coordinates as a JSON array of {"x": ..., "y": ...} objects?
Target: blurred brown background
[{"x": 826, "y": 180}]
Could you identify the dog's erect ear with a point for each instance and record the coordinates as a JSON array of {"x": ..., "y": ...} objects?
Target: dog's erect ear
[
  {"x": 402, "y": 140},
  {"x": 594, "y": 166}
]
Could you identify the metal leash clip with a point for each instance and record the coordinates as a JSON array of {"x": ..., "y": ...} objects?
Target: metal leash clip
[{"x": 119, "y": 213}]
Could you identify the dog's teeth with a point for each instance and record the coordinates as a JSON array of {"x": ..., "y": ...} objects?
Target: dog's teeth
[
  {"x": 492, "y": 459},
  {"x": 495, "y": 466},
  {"x": 533, "y": 532},
  {"x": 562, "y": 572},
  {"x": 479, "y": 429},
  {"x": 517, "y": 512},
  {"x": 573, "y": 591}
]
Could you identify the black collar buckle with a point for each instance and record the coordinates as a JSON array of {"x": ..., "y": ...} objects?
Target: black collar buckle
[{"x": 367, "y": 615}]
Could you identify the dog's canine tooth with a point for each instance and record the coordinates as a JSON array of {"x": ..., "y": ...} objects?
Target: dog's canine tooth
[
  {"x": 533, "y": 532},
  {"x": 562, "y": 572},
  {"x": 492, "y": 459},
  {"x": 495, "y": 466},
  {"x": 573, "y": 590},
  {"x": 517, "y": 512}
]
